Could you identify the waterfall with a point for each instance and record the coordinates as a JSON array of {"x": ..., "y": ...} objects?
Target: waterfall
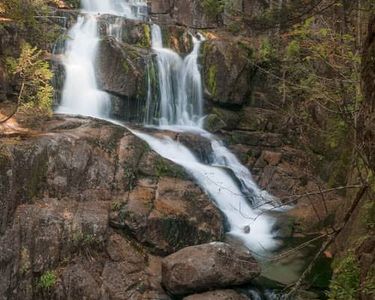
[
  {"x": 225, "y": 179},
  {"x": 80, "y": 93},
  {"x": 115, "y": 29},
  {"x": 180, "y": 83},
  {"x": 249, "y": 225}
]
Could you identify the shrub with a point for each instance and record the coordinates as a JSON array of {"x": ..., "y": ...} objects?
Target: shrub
[
  {"x": 346, "y": 280},
  {"x": 47, "y": 280},
  {"x": 34, "y": 74}
]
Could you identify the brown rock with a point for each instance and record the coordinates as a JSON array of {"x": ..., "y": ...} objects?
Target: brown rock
[
  {"x": 272, "y": 158},
  {"x": 79, "y": 284},
  {"x": 218, "y": 295},
  {"x": 160, "y": 6},
  {"x": 227, "y": 72},
  {"x": 208, "y": 266},
  {"x": 169, "y": 215},
  {"x": 192, "y": 14}
]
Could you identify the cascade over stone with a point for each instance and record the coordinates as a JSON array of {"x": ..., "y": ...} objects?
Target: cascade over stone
[{"x": 208, "y": 266}]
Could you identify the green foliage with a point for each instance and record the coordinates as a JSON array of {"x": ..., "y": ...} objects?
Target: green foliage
[
  {"x": 35, "y": 75},
  {"x": 31, "y": 18},
  {"x": 47, "y": 280},
  {"x": 23, "y": 11},
  {"x": 293, "y": 50},
  {"x": 266, "y": 51},
  {"x": 369, "y": 284},
  {"x": 146, "y": 37},
  {"x": 346, "y": 280},
  {"x": 74, "y": 3},
  {"x": 213, "y": 8}
]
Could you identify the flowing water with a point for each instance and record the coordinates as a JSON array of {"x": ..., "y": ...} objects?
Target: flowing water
[
  {"x": 180, "y": 84},
  {"x": 228, "y": 183},
  {"x": 80, "y": 93}
]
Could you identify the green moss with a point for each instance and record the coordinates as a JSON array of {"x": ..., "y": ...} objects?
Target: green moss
[
  {"x": 212, "y": 85},
  {"x": 163, "y": 168},
  {"x": 146, "y": 38},
  {"x": 47, "y": 280},
  {"x": 345, "y": 283}
]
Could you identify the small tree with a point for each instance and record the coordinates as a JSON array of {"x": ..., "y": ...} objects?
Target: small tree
[{"x": 34, "y": 75}]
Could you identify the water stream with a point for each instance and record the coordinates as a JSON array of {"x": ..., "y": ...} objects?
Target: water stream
[
  {"x": 228, "y": 183},
  {"x": 180, "y": 84}
]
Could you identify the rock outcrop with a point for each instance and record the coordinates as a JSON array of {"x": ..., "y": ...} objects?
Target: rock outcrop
[
  {"x": 228, "y": 73},
  {"x": 205, "y": 267},
  {"x": 66, "y": 189}
]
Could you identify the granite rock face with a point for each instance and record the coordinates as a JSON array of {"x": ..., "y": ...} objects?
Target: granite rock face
[{"x": 66, "y": 189}]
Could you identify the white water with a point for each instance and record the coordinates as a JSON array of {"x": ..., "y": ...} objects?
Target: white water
[
  {"x": 181, "y": 104},
  {"x": 180, "y": 83},
  {"x": 225, "y": 192},
  {"x": 115, "y": 29},
  {"x": 80, "y": 93}
]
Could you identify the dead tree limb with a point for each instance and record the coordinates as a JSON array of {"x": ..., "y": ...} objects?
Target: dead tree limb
[{"x": 327, "y": 243}]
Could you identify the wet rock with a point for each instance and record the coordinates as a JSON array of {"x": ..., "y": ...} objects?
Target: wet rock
[
  {"x": 218, "y": 295},
  {"x": 199, "y": 145},
  {"x": 131, "y": 32},
  {"x": 204, "y": 267}
]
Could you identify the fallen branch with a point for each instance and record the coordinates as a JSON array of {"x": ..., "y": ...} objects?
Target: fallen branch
[{"x": 327, "y": 243}]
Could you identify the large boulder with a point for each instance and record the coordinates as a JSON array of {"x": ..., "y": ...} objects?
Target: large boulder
[
  {"x": 218, "y": 295},
  {"x": 208, "y": 266},
  {"x": 121, "y": 71}
]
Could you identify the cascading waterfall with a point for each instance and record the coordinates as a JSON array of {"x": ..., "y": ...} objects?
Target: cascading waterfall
[
  {"x": 80, "y": 93},
  {"x": 181, "y": 109},
  {"x": 225, "y": 179},
  {"x": 180, "y": 83},
  {"x": 245, "y": 223}
]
